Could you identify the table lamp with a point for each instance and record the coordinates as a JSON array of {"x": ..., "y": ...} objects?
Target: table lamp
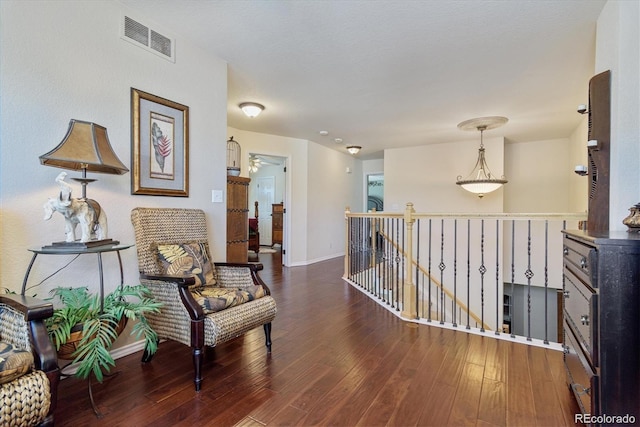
[{"x": 85, "y": 147}]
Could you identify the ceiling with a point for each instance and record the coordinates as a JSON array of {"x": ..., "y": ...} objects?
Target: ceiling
[{"x": 384, "y": 74}]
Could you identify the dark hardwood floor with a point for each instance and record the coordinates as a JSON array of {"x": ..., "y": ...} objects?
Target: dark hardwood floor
[{"x": 339, "y": 359}]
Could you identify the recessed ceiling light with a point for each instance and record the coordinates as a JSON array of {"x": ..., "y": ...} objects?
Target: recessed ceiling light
[
  {"x": 323, "y": 133},
  {"x": 338, "y": 140}
]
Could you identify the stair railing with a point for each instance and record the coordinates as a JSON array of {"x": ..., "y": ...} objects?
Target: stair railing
[{"x": 508, "y": 256}]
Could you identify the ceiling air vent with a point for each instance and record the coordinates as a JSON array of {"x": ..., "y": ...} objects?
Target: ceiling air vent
[{"x": 147, "y": 38}]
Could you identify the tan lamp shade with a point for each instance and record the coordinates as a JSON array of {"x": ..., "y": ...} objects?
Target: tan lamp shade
[{"x": 85, "y": 147}]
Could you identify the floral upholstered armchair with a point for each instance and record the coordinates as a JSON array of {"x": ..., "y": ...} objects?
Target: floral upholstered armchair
[
  {"x": 204, "y": 303},
  {"x": 29, "y": 372}
]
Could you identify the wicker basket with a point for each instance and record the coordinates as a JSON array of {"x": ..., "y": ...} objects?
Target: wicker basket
[{"x": 67, "y": 349}]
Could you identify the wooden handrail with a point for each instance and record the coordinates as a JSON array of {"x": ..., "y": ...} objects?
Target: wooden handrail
[{"x": 520, "y": 216}]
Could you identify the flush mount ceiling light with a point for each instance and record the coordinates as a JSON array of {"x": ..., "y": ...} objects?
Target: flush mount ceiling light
[
  {"x": 354, "y": 149},
  {"x": 480, "y": 181},
  {"x": 251, "y": 109}
]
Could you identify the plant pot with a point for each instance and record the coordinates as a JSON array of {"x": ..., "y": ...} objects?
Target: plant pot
[{"x": 67, "y": 349}]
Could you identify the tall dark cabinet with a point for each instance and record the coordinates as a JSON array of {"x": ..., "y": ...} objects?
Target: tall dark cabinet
[
  {"x": 237, "y": 219},
  {"x": 602, "y": 322}
]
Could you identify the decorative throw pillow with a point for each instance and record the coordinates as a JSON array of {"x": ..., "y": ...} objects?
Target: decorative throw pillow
[
  {"x": 14, "y": 362},
  {"x": 186, "y": 259},
  {"x": 213, "y": 299}
]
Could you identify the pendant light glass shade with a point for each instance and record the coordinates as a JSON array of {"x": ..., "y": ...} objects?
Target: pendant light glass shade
[{"x": 481, "y": 181}]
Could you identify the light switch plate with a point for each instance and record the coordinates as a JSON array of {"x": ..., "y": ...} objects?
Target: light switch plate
[{"x": 217, "y": 196}]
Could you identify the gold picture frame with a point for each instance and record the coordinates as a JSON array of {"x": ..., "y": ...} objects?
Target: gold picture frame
[{"x": 160, "y": 146}]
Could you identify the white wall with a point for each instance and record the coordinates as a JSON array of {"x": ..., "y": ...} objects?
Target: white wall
[
  {"x": 64, "y": 60},
  {"x": 331, "y": 189},
  {"x": 426, "y": 176},
  {"x": 372, "y": 167},
  {"x": 618, "y": 50},
  {"x": 539, "y": 175}
]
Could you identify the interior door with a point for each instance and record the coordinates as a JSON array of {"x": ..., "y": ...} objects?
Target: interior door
[{"x": 265, "y": 187}]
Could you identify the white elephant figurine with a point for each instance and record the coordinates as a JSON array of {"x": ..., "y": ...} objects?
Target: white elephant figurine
[{"x": 86, "y": 212}]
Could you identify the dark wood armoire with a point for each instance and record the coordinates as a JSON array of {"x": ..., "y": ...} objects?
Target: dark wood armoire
[{"x": 237, "y": 219}]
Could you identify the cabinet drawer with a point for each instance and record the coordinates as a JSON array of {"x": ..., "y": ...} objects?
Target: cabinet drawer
[
  {"x": 582, "y": 260},
  {"x": 583, "y": 381},
  {"x": 581, "y": 313}
]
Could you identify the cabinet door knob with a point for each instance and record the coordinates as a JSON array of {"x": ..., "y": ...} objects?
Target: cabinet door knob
[
  {"x": 565, "y": 251},
  {"x": 584, "y": 319},
  {"x": 583, "y": 262},
  {"x": 566, "y": 294}
]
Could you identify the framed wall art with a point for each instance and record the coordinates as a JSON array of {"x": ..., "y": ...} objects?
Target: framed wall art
[{"x": 160, "y": 152}]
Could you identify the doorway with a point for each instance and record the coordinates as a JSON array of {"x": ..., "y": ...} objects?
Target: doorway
[
  {"x": 267, "y": 188},
  {"x": 375, "y": 192}
]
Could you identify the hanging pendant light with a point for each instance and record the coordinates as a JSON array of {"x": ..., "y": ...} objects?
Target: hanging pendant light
[{"x": 480, "y": 181}]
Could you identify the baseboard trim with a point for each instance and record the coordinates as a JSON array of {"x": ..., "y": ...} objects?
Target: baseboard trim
[
  {"x": 313, "y": 261},
  {"x": 118, "y": 353}
]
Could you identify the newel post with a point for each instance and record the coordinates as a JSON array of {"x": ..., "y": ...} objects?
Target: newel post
[
  {"x": 408, "y": 303},
  {"x": 347, "y": 253}
]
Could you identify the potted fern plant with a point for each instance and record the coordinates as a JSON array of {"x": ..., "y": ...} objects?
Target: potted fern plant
[{"x": 84, "y": 328}]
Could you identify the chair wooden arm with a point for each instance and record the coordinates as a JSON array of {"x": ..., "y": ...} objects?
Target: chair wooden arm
[
  {"x": 35, "y": 311},
  {"x": 32, "y": 308},
  {"x": 181, "y": 281},
  {"x": 253, "y": 268},
  {"x": 182, "y": 284}
]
